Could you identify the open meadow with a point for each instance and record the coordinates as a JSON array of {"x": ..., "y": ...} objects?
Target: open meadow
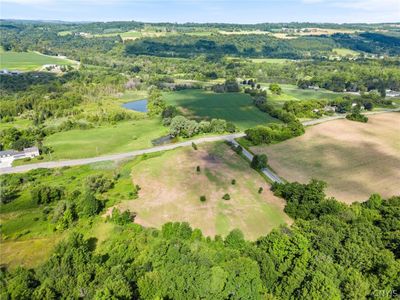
[
  {"x": 122, "y": 137},
  {"x": 237, "y": 108},
  {"x": 171, "y": 187},
  {"x": 28, "y": 61},
  {"x": 291, "y": 92},
  {"x": 355, "y": 159}
]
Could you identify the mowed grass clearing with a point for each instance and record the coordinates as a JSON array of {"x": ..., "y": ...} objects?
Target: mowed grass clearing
[
  {"x": 237, "y": 108},
  {"x": 355, "y": 159},
  {"x": 171, "y": 188},
  {"x": 28, "y": 61},
  {"x": 293, "y": 93},
  {"x": 121, "y": 137}
]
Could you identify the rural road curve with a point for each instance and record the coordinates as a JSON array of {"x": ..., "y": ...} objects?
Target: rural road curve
[
  {"x": 83, "y": 161},
  {"x": 343, "y": 116},
  {"x": 266, "y": 171}
]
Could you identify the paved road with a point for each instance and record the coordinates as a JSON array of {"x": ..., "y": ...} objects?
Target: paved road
[
  {"x": 343, "y": 116},
  {"x": 75, "y": 162},
  {"x": 266, "y": 171},
  {"x": 83, "y": 161}
]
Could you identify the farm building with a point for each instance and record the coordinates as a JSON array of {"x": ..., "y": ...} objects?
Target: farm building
[{"x": 8, "y": 156}]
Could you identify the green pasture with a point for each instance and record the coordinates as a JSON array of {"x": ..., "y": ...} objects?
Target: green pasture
[
  {"x": 293, "y": 93},
  {"x": 28, "y": 61},
  {"x": 345, "y": 52},
  {"x": 121, "y": 137},
  {"x": 233, "y": 107}
]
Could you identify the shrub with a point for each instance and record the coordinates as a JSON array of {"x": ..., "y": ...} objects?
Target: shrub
[
  {"x": 99, "y": 183},
  {"x": 357, "y": 117},
  {"x": 230, "y": 127},
  {"x": 46, "y": 194},
  {"x": 198, "y": 169},
  {"x": 259, "y": 161},
  {"x": 275, "y": 88},
  {"x": 203, "y": 198},
  {"x": 226, "y": 197},
  {"x": 88, "y": 205},
  {"x": 123, "y": 218},
  {"x": 194, "y": 146},
  {"x": 238, "y": 149},
  {"x": 260, "y": 190},
  {"x": 233, "y": 181}
]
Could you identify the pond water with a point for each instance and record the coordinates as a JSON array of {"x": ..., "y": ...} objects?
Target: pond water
[{"x": 137, "y": 105}]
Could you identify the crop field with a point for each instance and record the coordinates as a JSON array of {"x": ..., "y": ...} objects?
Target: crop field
[
  {"x": 28, "y": 61},
  {"x": 355, "y": 159},
  {"x": 233, "y": 107},
  {"x": 171, "y": 188},
  {"x": 310, "y": 31},
  {"x": 122, "y": 137}
]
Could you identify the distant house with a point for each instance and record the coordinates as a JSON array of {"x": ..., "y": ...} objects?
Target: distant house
[
  {"x": 390, "y": 93},
  {"x": 7, "y": 72},
  {"x": 8, "y": 156},
  {"x": 313, "y": 87}
]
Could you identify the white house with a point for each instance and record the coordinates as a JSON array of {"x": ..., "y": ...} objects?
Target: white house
[
  {"x": 8, "y": 156},
  {"x": 390, "y": 93}
]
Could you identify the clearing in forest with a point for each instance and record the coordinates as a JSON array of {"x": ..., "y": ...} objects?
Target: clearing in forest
[
  {"x": 355, "y": 159},
  {"x": 171, "y": 188}
]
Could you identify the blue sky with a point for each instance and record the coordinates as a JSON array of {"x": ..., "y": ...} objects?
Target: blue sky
[{"x": 228, "y": 11}]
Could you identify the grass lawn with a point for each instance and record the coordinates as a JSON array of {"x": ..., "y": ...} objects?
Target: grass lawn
[
  {"x": 355, "y": 159},
  {"x": 28, "y": 61},
  {"x": 171, "y": 189},
  {"x": 122, "y": 137},
  {"x": 233, "y": 107}
]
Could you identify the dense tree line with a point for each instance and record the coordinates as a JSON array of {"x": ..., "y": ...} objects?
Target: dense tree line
[{"x": 332, "y": 251}]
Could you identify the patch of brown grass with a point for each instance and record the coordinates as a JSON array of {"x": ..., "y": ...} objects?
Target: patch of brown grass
[
  {"x": 171, "y": 189},
  {"x": 355, "y": 159}
]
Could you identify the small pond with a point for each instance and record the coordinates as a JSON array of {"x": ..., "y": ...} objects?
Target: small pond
[{"x": 137, "y": 105}]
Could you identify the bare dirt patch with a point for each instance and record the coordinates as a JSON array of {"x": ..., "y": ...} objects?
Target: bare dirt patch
[
  {"x": 171, "y": 188},
  {"x": 355, "y": 159}
]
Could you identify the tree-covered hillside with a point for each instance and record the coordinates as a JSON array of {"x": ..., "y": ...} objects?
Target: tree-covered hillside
[{"x": 332, "y": 251}]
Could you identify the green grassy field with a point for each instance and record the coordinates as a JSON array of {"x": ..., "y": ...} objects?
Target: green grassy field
[
  {"x": 122, "y": 137},
  {"x": 345, "y": 52},
  {"x": 28, "y": 61},
  {"x": 293, "y": 93},
  {"x": 171, "y": 189},
  {"x": 234, "y": 107}
]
